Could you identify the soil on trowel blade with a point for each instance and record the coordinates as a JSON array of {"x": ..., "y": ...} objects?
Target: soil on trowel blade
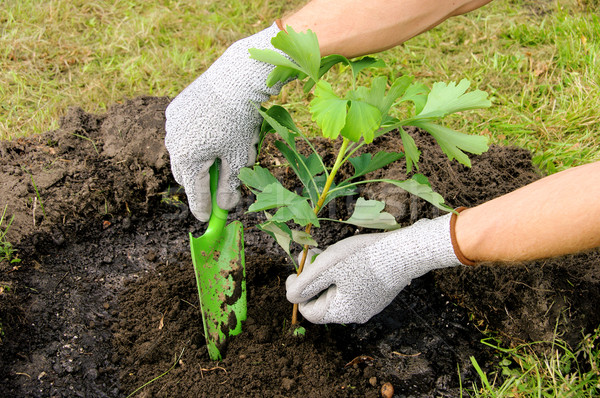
[{"x": 103, "y": 302}]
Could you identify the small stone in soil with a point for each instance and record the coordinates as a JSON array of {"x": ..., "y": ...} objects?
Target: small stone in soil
[
  {"x": 387, "y": 390},
  {"x": 287, "y": 384}
]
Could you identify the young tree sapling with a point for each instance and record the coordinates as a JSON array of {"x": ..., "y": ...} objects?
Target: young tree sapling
[{"x": 359, "y": 115}]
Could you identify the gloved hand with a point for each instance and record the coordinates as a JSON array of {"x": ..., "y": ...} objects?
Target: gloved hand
[
  {"x": 357, "y": 277},
  {"x": 214, "y": 117}
]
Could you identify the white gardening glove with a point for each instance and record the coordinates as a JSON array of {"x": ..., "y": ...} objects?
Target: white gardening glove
[
  {"x": 216, "y": 117},
  {"x": 356, "y": 278}
]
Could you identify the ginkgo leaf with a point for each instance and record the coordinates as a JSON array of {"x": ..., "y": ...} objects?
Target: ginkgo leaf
[
  {"x": 329, "y": 61},
  {"x": 362, "y": 120},
  {"x": 352, "y": 119},
  {"x": 365, "y": 62},
  {"x": 278, "y": 231},
  {"x": 305, "y": 168},
  {"x": 367, "y": 163},
  {"x": 328, "y": 110},
  {"x": 454, "y": 143},
  {"x": 303, "y": 238},
  {"x": 283, "y": 117},
  {"x": 289, "y": 204},
  {"x": 257, "y": 177},
  {"x": 419, "y": 186},
  {"x": 273, "y": 58},
  {"x": 284, "y": 236},
  {"x": 410, "y": 150},
  {"x": 302, "y": 47},
  {"x": 303, "y": 56},
  {"x": 376, "y": 94},
  {"x": 283, "y": 130},
  {"x": 370, "y": 214},
  {"x": 417, "y": 94},
  {"x": 447, "y": 98},
  {"x": 283, "y": 74}
]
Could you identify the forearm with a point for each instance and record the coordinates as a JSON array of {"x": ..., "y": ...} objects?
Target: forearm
[
  {"x": 355, "y": 27},
  {"x": 559, "y": 214}
]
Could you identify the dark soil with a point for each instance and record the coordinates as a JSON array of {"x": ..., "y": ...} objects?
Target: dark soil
[{"x": 104, "y": 299}]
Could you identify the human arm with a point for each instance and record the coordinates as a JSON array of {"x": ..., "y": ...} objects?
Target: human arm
[
  {"x": 357, "y": 277},
  {"x": 356, "y": 27},
  {"x": 556, "y": 215}
]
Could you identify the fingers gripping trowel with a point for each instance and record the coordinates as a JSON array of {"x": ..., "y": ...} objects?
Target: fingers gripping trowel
[{"x": 218, "y": 257}]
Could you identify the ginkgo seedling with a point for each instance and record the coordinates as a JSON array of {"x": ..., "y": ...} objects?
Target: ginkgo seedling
[{"x": 357, "y": 117}]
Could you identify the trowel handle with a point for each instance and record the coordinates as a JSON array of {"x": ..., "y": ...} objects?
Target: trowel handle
[{"x": 218, "y": 216}]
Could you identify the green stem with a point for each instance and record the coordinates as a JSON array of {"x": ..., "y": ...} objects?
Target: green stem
[
  {"x": 336, "y": 166},
  {"x": 351, "y": 149},
  {"x": 339, "y": 161}
]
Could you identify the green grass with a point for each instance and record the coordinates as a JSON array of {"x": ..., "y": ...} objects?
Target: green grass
[
  {"x": 7, "y": 252},
  {"x": 58, "y": 53},
  {"x": 543, "y": 72},
  {"x": 538, "y": 60},
  {"x": 542, "y": 369}
]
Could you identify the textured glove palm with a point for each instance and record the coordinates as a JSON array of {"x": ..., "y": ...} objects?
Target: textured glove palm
[
  {"x": 215, "y": 117},
  {"x": 356, "y": 278}
]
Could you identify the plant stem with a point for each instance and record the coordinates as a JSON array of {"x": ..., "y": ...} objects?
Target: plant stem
[{"x": 339, "y": 161}]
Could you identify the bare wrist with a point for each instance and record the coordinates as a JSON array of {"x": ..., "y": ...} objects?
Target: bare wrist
[{"x": 453, "y": 237}]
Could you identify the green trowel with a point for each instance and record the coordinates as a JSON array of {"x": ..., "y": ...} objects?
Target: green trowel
[{"x": 218, "y": 257}]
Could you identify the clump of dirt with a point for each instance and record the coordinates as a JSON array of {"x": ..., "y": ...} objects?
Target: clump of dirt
[{"x": 104, "y": 299}]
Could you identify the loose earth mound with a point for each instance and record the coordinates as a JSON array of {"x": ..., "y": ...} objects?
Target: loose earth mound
[{"x": 104, "y": 299}]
